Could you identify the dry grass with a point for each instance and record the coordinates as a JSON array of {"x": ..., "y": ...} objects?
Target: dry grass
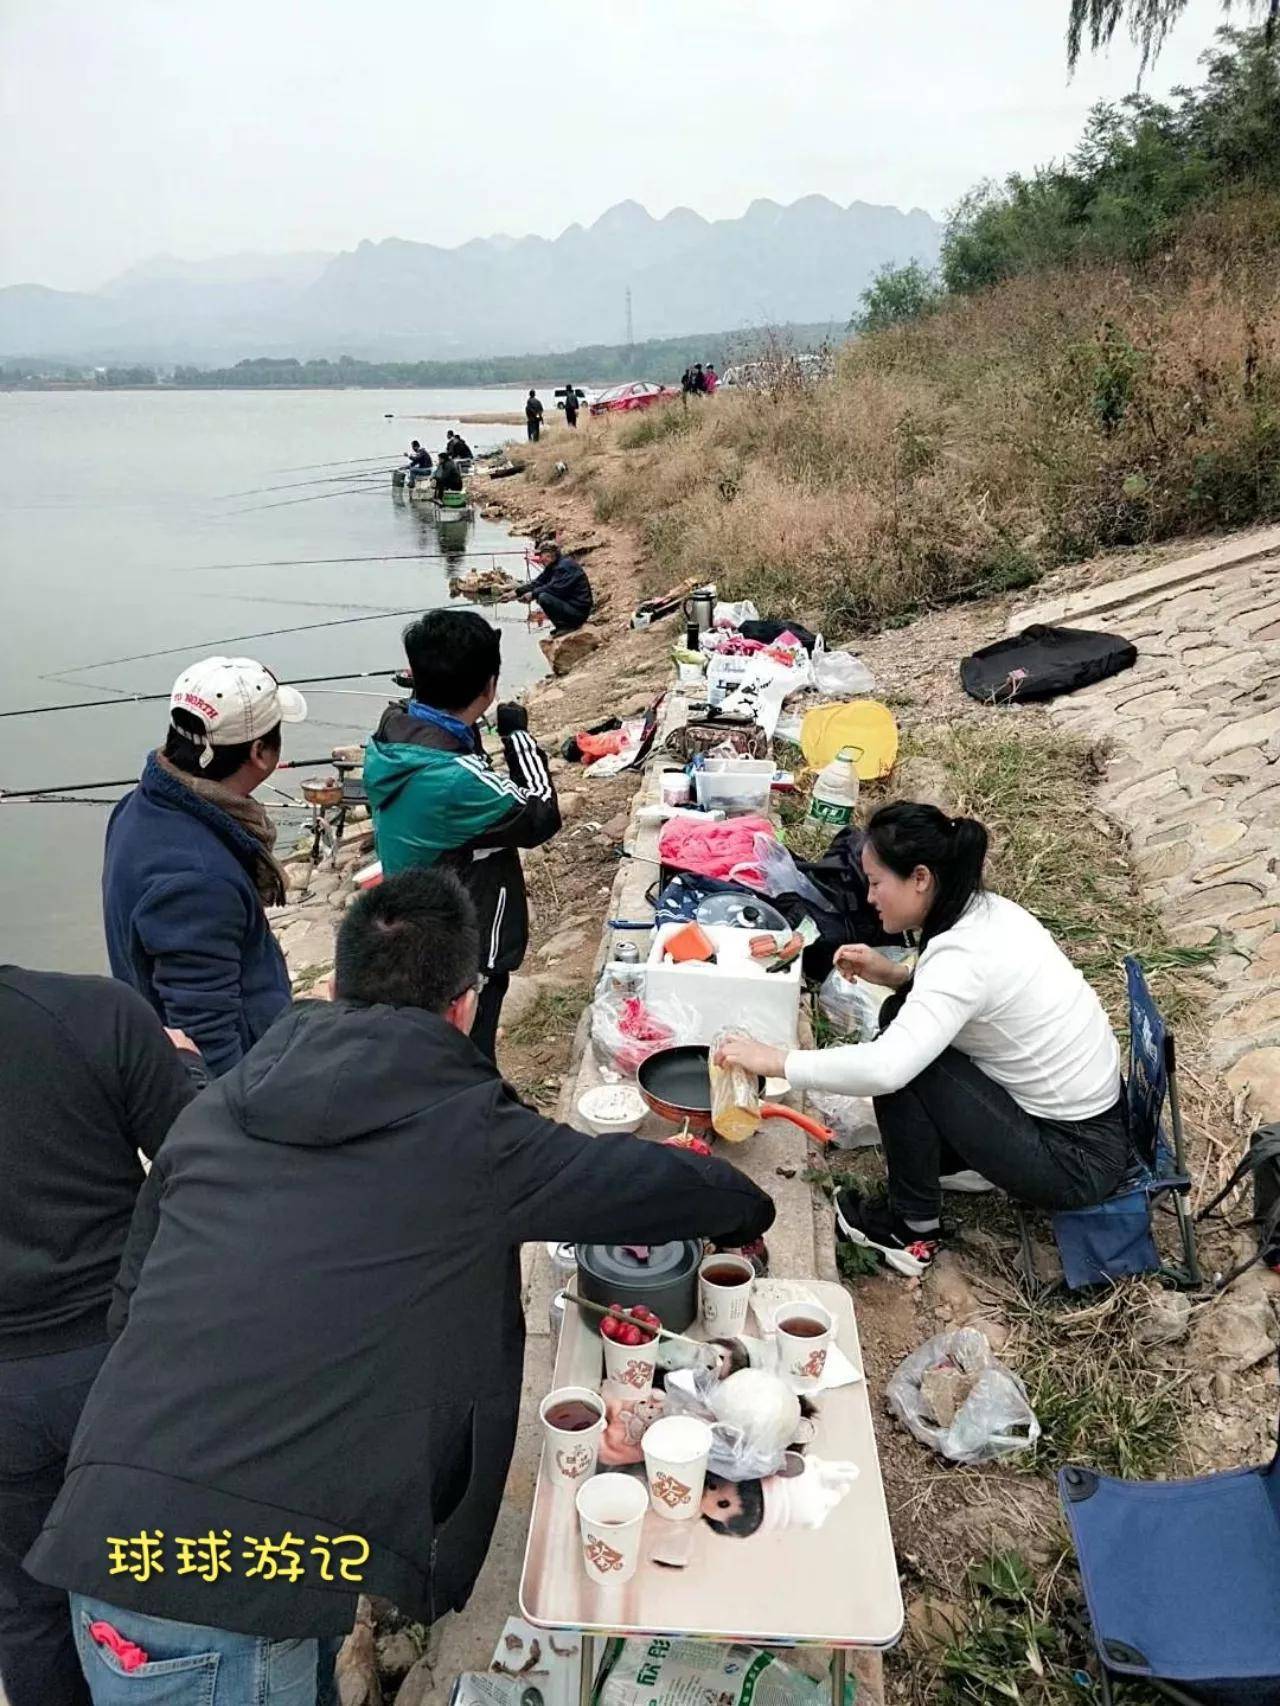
[{"x": 1050, "y": 418}]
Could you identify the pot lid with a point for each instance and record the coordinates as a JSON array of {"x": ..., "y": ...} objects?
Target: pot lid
[
  {"x": 649, "y": 1265},
  {"x": 743, "y": 911}
]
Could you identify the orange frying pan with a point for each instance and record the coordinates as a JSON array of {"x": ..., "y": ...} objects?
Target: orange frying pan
[{"x": 676, "y": 1085}]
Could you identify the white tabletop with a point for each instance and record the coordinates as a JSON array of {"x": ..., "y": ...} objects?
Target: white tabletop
[{"x": 834, "y": 1586}]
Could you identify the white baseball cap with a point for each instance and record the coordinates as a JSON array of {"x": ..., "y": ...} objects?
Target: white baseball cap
[{"x": 236, "y": 700}]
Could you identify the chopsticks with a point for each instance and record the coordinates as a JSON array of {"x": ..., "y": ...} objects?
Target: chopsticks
[{"x": 618, "y": 1314}]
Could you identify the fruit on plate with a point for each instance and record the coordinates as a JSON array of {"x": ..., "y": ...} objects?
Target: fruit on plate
[{"x": 631, "y": 1333}]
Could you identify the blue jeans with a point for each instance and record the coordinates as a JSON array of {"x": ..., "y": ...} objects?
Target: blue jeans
[{"x": 191, "y": 1665}]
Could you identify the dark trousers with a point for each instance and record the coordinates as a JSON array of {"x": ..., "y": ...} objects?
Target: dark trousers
[
  {"x": 952, "y": 1115},
  {"x": 563, "y": 617},
  {"x": 40, "y": 1403},
  {"x": 534, "y": 429},
  {"x": 484, "y": 1033}
]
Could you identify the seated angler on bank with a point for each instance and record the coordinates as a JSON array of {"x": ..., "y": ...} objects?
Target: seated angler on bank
[{"x": 994, "y": 1055}]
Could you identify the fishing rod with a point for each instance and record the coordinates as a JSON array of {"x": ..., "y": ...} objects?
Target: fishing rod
[
  {"x": 323, "y": 562},
  {"x": 365, "y": 476},
  {"x": 155, "y": 698},
  {"x": 316, "y": 497},
  {"x": 348, "y": 462},
  {"x": 88, "y": 800},
  {"x": 131, "y": 781},
  {"x": 239, "y": 639}
]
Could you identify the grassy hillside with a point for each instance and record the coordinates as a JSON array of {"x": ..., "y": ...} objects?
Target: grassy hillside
[{"x": 1101, "y": 401}]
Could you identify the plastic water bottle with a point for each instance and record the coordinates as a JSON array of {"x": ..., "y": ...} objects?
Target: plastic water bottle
[{"x": 835, "y": 793}]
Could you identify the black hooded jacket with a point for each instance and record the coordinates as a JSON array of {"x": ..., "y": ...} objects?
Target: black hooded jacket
[{"x": 325, "y": 1338}]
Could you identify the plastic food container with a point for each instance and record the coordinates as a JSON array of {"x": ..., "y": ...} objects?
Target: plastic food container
[{"x": 734, "y": 794}]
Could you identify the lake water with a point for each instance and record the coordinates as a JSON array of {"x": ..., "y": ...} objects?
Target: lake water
[{"x": 120, "y": 535}]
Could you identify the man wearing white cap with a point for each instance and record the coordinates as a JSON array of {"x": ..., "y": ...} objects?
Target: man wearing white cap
[{"x": 189, "y": 864}]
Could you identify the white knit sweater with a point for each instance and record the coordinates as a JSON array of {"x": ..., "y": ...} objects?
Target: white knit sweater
[{"x": 997, "y": 987}]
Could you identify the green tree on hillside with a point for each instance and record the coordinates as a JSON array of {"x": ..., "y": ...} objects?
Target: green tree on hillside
[
  {"x": 1149, "y": 23},
  {"x": 897, "y": 294},
  {"x": 1141, "y": 165}
]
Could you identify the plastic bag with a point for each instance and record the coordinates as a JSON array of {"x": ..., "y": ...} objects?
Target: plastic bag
[
  {"x": 625, "y": 1031},
  {"x": 734, "y": 615},
  {"x": 775, "y": 872},
  {"x": 840, "y": 674},
  {"x": 850, "y": 1006},
  {"x": 851, "y": 1118},
  {"x": 993, "y": 1416},
  {"x": 733, "y": 1457},
  {"x": 735, "y": 1099}
]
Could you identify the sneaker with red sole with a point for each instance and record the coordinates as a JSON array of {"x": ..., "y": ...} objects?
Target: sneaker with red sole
[{"x": 872, "y": 1222}]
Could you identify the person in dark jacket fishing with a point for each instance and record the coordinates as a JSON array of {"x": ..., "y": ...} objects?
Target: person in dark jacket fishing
[
  {"x": 436, "y": 799},
  {"x": 448, "y": 475},
  {"x": 457, "y": 447},
  {"x": 335, "y": 1228},
  {"x": 189, "y": 862},
  {"x": 562, "y": 591},
  {"x": 87, "y": 1079},
  {"x": 533, "y": 416}
]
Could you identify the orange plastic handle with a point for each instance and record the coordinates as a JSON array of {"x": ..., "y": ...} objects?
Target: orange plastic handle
[{"x": 775, "y": 1111}]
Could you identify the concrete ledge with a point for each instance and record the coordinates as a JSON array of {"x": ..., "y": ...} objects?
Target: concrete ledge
[{"x": 1094, "y": 601}]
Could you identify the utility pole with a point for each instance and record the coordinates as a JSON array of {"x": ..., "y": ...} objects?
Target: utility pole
[{"x": 631, "y": 334}]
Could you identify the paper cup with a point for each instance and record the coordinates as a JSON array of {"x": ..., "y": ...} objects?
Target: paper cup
[
  {"x": 631, "y": 1366},
  {"x": 724, "y": 1307},
  {"x": 675, "y": 1462},
  {"x": 802, "y": 1356},
  {"x": 571, "y": 1453},
  {"x": 611, "y": 1512}
]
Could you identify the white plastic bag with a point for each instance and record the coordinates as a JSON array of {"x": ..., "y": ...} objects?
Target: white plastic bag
[
  {"x": 775, "y": 872},
  {"x": 995, "y": 1418},
  {"x": 851, "y": 1118},
  {"x": 734, "y": 615},
  {"x": 645, "y": 1672},
  {"x": 850, "y": 1005},
  {"x": 840, "y": 674}
]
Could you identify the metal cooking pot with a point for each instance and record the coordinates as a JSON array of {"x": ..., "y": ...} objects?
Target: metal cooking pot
[{"x": 664, "y": 1277}]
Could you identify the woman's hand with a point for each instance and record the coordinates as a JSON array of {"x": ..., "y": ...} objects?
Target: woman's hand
[
  {"x": 761, "y": 1058},
  {"x": 857, "y": 960}
]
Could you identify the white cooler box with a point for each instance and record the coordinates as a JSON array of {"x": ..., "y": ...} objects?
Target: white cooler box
[{"x": 735, "y": 991}]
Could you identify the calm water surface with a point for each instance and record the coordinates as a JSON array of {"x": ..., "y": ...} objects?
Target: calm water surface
[{"x": 120, "y": 535}]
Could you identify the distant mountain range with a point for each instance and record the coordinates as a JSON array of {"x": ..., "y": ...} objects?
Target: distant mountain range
[{"x": 395, "y": 299}]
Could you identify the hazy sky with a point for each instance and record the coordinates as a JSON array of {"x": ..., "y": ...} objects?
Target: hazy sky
[{"x": 138, "y": 127}]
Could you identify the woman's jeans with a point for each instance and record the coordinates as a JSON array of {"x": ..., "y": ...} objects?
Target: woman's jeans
[
  {"x": 952, "y": 1115},
  {"x": 191, "y": 1665}
]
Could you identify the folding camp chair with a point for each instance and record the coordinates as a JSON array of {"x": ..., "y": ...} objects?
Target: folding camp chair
[
  {"x": 1114, "y": 1237},
  {"x": 1182, "y": 1581}
]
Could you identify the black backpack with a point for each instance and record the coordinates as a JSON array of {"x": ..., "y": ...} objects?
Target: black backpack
[{"x": 1263, "y": 1161}]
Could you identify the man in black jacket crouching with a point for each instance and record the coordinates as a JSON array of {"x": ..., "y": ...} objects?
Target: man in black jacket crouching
[{"x": 316, "y": 1389}]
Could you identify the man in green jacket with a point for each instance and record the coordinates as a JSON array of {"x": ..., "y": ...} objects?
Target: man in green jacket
[{"x": 437, "y": 800}]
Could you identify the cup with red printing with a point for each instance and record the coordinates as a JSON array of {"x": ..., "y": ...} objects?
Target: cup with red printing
[{"x": 630, "y": 1347}]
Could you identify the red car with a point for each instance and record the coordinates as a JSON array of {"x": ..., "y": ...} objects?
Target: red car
[{"x": 637, "y": 395}]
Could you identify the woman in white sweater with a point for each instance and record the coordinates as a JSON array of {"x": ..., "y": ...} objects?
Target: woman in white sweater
[{"x": 994, "y": 1055}]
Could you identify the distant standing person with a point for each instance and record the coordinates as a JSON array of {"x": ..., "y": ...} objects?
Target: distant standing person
[
  {"x": 570, "y": 405},
  {"x": 711, "y": 378},
  {"x": 190, "y": 865},
  {"x": 533, "y": 417},
  {"x": 699, "y": 380}
]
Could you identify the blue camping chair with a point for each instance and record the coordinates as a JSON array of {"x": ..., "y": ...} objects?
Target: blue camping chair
[
  {"x": 1182, "y": 1580},
  {"x": 1114, "y": 1238}
]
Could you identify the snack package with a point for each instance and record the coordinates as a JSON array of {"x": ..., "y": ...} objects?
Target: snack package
[
  {"x": 661, "y": 1672},
  {"x": 735, "y": 1098}
]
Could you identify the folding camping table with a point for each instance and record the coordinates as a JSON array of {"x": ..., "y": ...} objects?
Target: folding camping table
[{"x": 834, "y": 1586}]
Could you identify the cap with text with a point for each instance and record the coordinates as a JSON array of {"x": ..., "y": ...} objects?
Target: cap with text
[{"x": 235, "y": 700}]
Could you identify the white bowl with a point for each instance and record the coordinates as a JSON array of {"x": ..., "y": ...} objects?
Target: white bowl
[{"x": 598, "y": 1123}]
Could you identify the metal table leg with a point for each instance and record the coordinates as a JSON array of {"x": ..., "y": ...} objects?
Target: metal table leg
[
  {"x": 587, "y": 1672},
  {"x": 837, "y": 1676}
]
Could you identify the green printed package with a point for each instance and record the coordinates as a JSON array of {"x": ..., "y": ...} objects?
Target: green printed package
[{"x": 660, "y": 1672}]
